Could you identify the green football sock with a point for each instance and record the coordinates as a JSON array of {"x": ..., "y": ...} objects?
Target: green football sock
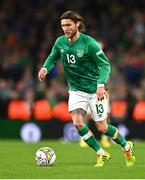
[
  {"x": 89, "y": 138},
  {"x": 119, "y": 140}
]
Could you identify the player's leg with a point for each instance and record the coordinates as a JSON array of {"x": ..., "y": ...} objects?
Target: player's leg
[
  {"x": 113, "y": 132},
  {"x": 78, "y": 117},
  {"x": 78, "y": 105},
  {"x": 128, "y": 147},
  {"x": 100, "y": 117},
  {"x": 105, "y": 140}
]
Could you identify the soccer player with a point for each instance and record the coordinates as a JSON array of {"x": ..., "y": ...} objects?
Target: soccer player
[{"x": 87, "y": 70}]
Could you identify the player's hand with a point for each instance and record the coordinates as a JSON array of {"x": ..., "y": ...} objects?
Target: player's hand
[
  {"x": 101, "y": 93},
  {"x": 42, "y": 74}
]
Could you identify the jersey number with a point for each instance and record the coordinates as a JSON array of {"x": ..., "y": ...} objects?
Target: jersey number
[
  {"x": 99, "y": 108},
  {"x": 71, "y": 58}
]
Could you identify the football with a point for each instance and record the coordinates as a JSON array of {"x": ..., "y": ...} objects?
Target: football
[{"x": 45, "y": 156}]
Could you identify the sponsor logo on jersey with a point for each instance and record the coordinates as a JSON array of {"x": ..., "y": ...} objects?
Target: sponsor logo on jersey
[{"x": 80, "y": 53}]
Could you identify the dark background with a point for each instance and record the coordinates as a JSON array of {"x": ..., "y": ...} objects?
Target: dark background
[{"x": 28, "y": 30}]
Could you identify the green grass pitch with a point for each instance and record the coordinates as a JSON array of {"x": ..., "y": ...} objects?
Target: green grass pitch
[{"x": 17, "y": 161}]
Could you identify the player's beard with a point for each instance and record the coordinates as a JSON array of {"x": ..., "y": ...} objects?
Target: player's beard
[{"x": 73, "y": 34}]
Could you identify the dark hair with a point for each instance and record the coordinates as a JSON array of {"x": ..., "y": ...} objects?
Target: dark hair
[{"x": 75, "y": 17}]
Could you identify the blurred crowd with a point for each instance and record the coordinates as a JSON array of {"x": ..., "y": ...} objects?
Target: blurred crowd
[{"x": 28, "y": 30}]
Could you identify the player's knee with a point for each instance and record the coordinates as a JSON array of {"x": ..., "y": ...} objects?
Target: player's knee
[{"x": 78, "y": 121}]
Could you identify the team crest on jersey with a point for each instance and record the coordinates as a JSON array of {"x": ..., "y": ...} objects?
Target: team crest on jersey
[{"x": 80, "y": 53}]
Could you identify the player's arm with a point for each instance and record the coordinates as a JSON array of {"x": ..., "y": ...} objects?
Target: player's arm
[
  {"x": 103, "y": 66},
  {"x": 51, "y": 60}
]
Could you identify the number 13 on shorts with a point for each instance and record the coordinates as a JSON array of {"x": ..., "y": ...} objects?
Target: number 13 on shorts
[{"x": 100, "y": 109}]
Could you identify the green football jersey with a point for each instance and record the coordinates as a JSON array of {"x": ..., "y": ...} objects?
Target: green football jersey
[{"x": 84, "y": 62}]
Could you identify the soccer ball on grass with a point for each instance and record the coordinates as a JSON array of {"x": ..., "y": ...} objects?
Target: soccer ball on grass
[{"x": 45, "y": 156}]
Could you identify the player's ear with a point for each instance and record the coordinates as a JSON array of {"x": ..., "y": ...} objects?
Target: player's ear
[{"x": 78, "y": 24}]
